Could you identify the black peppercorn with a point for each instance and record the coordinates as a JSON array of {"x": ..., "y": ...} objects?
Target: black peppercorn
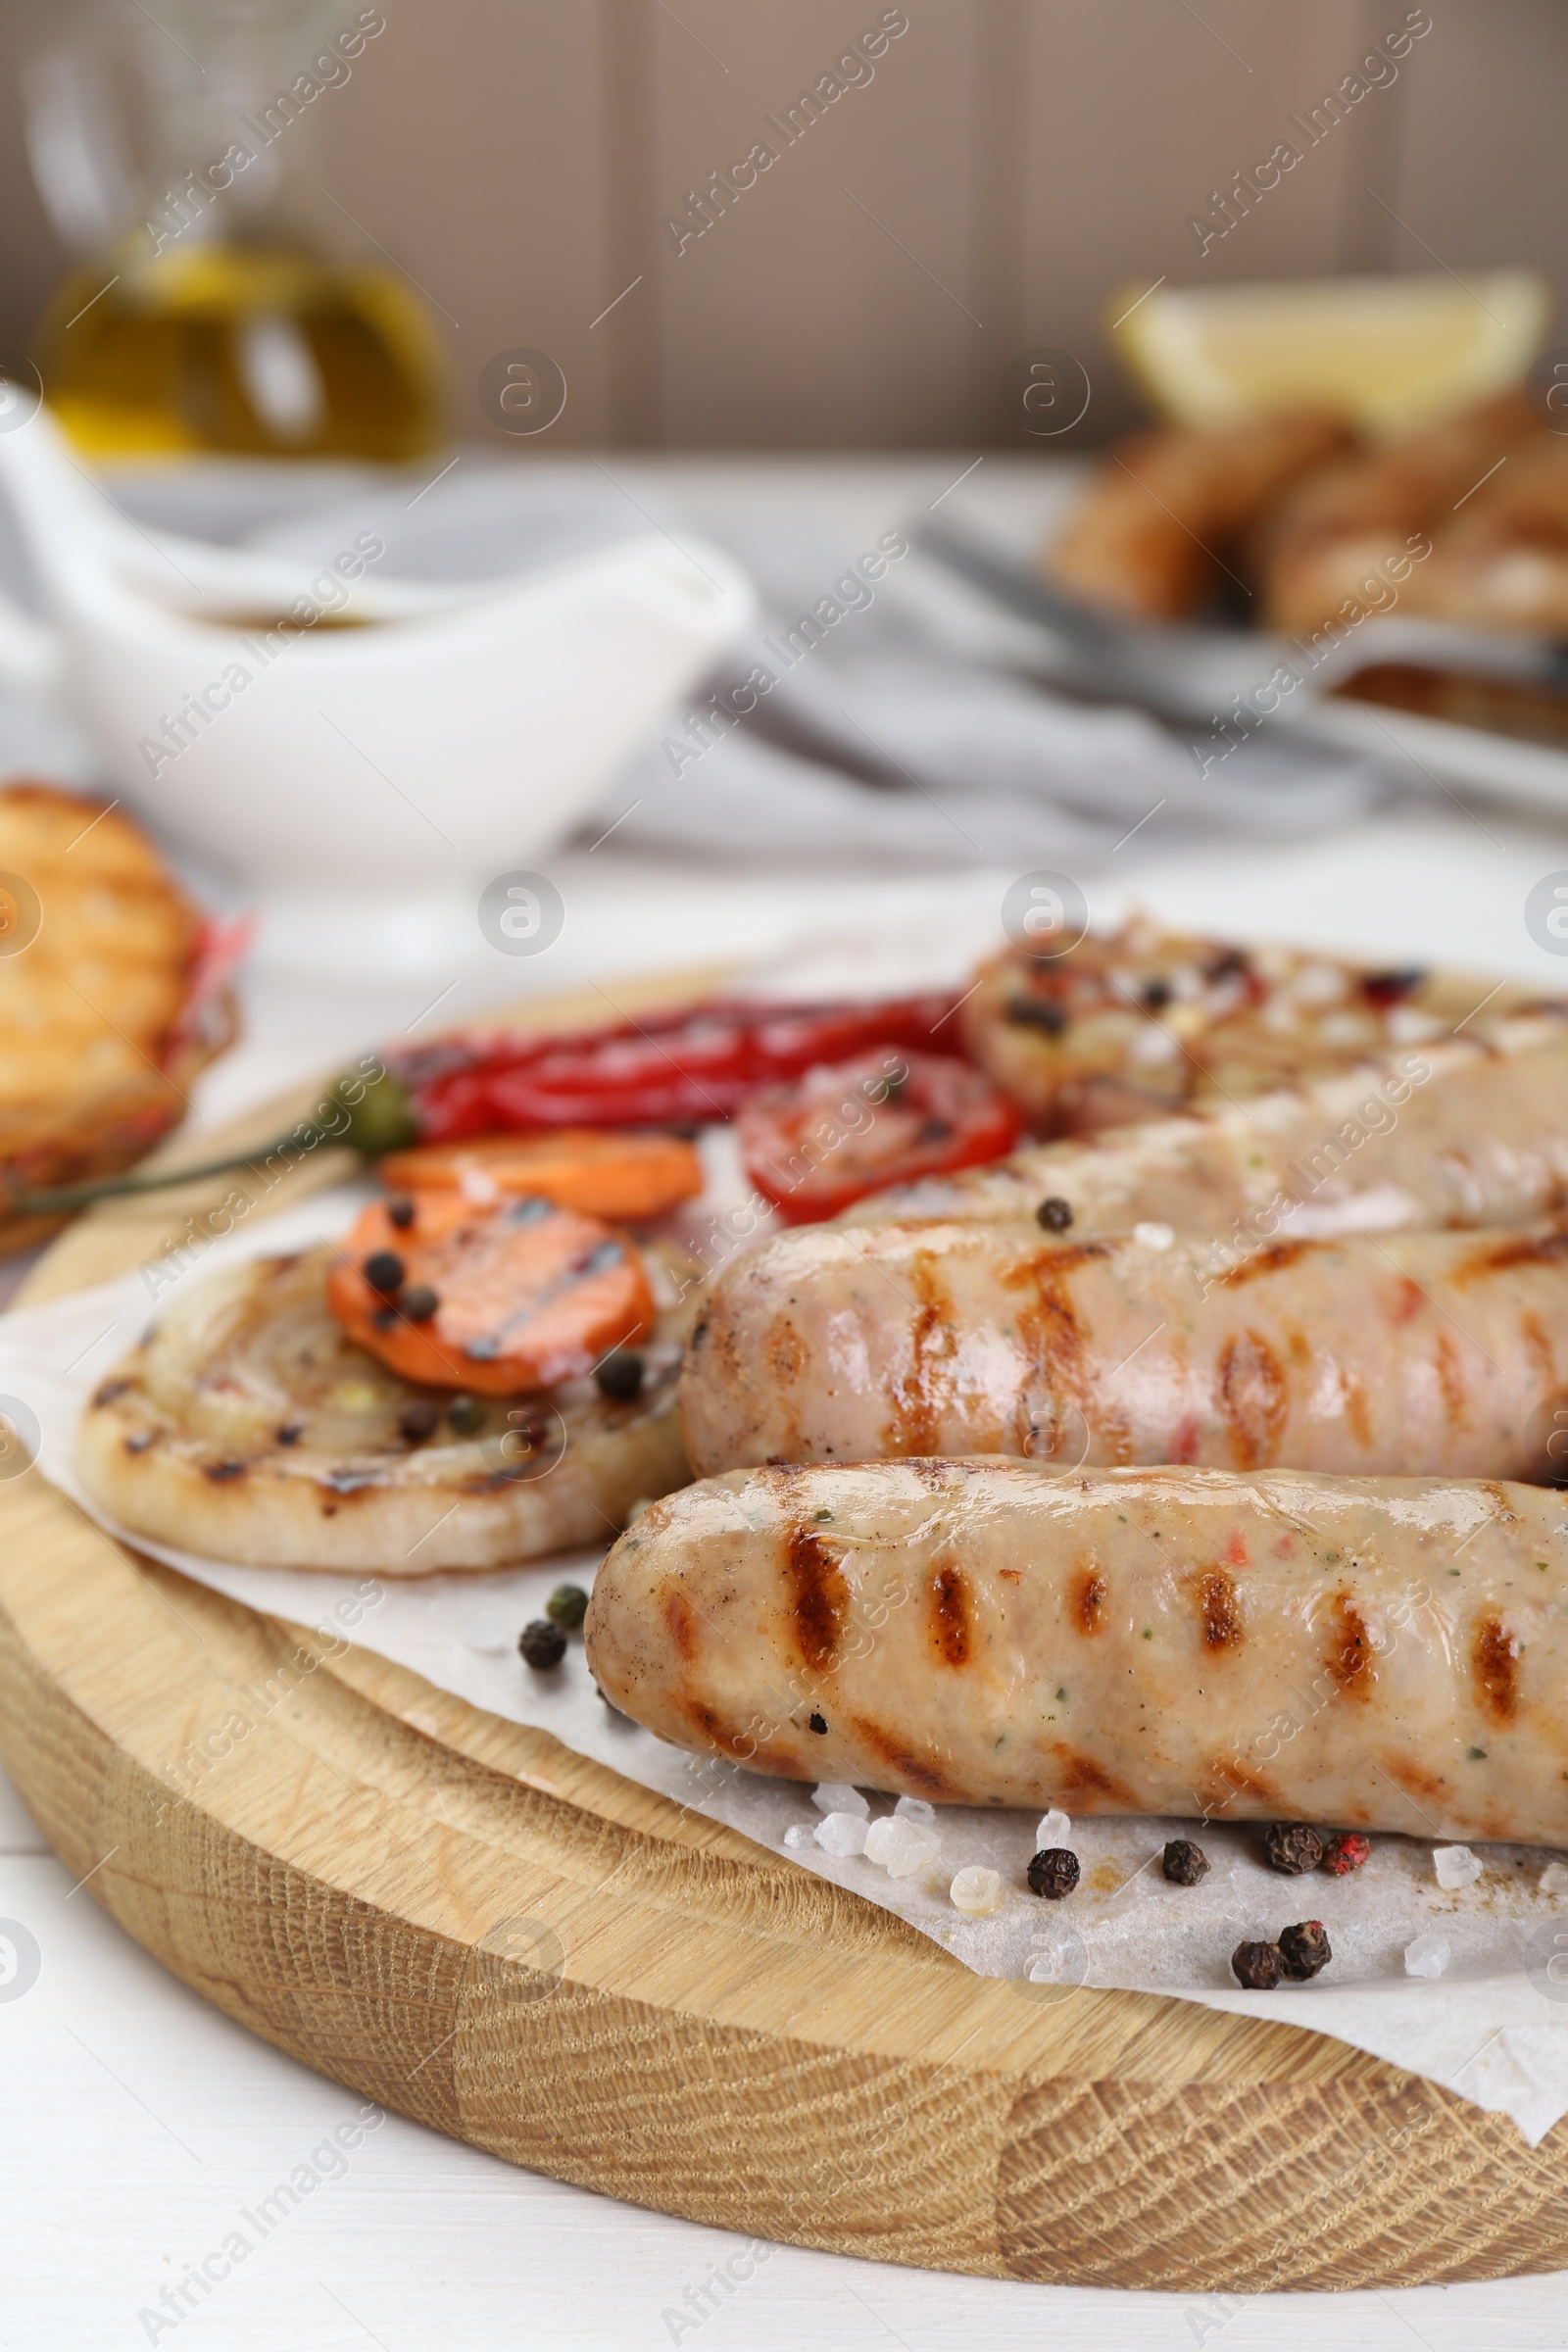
[
  {"x": 1038, "y": 1013},
  {"x": 1292, "y": 1847},
  {"x": 418, "y": 1302},
  {"x": 567, "y": 1607},
  {"x": 399, "y": 1212},
  {"x": 542, "y": 1644},
  {"x": 1304, "y": 1949},
  {"x": 383, "y": 1271},
  {"x": 1156, "y": 995},
  {"x": 1054, "y": 1873},
  {"x": 1054, "y": 1213},
  {"x": 619, "y": 1375},
  {"x": 419, "y": 1418},
  {"x": 467, "y": 1415},
  {"x": 1184, "y": 1863},
  {"x": 1256, "y": 1966}
]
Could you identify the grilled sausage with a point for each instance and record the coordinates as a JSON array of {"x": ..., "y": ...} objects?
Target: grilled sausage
[
  {"x": 1472, "y": 1130},
  {"x": 1141, "y": 1022},
  {"x": 1425, "y": 1354},
  {"x": 1382, "y": 1654},
  {"x": 1150, "y": 536},
  {"x": 1427, "y": 513}
]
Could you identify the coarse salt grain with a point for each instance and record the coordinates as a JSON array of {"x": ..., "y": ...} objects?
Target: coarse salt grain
[
  {"x": 976, "y": 1890},
  {"x": 1053, "y": 1828},
  {"x": 1428, "y": 1956},
  {"x": 1554, "y": 1879},
  {"x": 1153, "y": 1236},
  {"x": 796, "y": 1834},
  {"x": 1455, "y": 1866},
  {"x": 841, "y": 1834},
  {"x": 916, "y": 1808},
  {"x": 902, "y": 1847},
  {"x": 836, "y": 1796}
]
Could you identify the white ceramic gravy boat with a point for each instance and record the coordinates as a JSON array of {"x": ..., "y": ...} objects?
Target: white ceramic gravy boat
[{"x": 369, "y": 771}]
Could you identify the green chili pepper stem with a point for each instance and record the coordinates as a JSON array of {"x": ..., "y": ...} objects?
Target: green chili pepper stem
[
  {"x": 57, "y": 1199},
  {"x": 380, "y": 1120}
]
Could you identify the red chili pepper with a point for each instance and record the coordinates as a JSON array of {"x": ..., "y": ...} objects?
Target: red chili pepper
[{"x": 690, "y": 1067}]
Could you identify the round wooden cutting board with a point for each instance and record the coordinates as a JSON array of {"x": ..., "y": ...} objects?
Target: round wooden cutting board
[{"x": 463, "y": 1920}]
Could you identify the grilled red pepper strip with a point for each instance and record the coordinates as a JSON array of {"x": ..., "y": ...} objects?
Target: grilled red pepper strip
[{"x": 696, "y": 1067}]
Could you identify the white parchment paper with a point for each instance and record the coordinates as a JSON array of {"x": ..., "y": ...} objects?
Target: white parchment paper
[{"x": 1492, "y": 2028}]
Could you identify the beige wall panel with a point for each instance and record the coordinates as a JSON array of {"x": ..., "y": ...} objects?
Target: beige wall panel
[
  {"x": 1485, "y": 176},
  {"x": 517, "y": 157},
  {"x": 799, "y": 317},
  {"x": 1139, "y": 109},
  {"x": 471, "y": 144}
]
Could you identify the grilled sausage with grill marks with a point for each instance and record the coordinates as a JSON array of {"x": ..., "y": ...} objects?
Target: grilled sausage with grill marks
[
  {"x": 1386, "y": 1654},
  {"x": 1420, "y": 1355},
  {"x": 1471, "y": 1131}
]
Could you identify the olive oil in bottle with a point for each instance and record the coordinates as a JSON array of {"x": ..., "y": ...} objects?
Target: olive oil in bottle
[
  {"x": 221, "y": 301},
  {"x": 260, "y": 350}
]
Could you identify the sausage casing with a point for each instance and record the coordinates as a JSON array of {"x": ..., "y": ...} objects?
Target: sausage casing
[
  {"x": 1421, "y": 1354},
  {"x": 1373, "y": 1654},
  {"x": 1472, "y": 1130}
]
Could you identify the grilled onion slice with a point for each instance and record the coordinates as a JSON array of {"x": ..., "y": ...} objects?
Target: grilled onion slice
[{"x": 247, "y": 1426}]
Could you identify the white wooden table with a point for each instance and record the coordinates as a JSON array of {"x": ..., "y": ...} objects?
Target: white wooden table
[{"x": 139, "y": 2125}]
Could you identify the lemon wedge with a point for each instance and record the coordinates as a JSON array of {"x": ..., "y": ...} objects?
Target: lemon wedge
[{"x": 1389, "y": 353}]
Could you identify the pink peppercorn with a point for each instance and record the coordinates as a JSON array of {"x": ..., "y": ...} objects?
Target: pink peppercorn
[{"x": 1345, "y": 1852}]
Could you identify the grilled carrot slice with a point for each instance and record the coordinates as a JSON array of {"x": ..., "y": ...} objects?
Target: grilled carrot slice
[
  {"x": 498, "y": 1298},
  {"x": 589, "y": 1168}
]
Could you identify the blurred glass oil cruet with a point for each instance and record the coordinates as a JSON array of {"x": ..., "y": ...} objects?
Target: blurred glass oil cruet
[{"x": 222, "y": 301}]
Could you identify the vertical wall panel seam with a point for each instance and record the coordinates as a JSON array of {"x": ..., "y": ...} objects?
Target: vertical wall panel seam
[{"x": 634, "y": 360}]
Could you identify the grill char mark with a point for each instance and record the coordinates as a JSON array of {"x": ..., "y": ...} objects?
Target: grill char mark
[
  {"x": 1253, "y": 1399},
  {"x": 1350, "y": 1659},
  {"x": 951, "y": 1636},
  {"x": 1273, "y": 1260},
  {"x": 1221, "y": 1618},
  {"x": 1518, "y": 1250},
  {"x": 1091, "y": 1601},
  {"x": 1494, "y": 1668},
  {"x": 818, "y": 1599},
  {"x": 927, "y": 1779}
]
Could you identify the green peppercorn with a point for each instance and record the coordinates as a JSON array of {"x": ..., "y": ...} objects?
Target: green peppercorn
[
  {"x": 467, "y": 1415},
  {"x": 567, "y": 1607}
]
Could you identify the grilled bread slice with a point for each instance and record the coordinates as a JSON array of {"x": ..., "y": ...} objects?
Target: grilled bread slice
[{"x": 98, "y": 946}]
